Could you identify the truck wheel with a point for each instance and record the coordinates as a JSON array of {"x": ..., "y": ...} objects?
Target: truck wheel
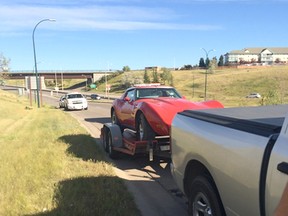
[
  {"x": 112, "y": 153},
  {"x": 144, "y": 130},
  {"x": 203, "y": 198}
]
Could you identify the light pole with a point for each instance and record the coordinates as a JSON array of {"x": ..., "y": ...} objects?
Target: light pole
[
  {"x": 207, "y": 53},
  {"x": 35, "y": 60}
]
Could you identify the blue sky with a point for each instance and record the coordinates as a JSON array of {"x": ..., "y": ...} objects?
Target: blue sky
[{"x": 109, "y": 34}]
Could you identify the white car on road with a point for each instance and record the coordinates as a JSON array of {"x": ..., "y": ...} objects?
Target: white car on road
[
  {"x": 253, "y": 95},
  {"x": 75, "y": 101}
]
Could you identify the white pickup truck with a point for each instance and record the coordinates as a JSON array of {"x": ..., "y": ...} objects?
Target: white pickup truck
[{"x": 231, "y": 161}]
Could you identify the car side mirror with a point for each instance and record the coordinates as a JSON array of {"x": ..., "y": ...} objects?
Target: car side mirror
[{"x": 127, "y": 99}]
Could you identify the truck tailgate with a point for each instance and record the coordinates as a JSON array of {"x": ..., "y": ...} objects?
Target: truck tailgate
[{"x": 263, "y": 120}]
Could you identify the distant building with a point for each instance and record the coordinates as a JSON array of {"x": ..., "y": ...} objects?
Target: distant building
[
  {"x": 153, "y": 68},
  {"x": 260, "y": 55}
]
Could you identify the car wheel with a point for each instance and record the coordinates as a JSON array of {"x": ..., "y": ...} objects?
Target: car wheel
[
  {"x": 203, "y": 198},
  {"x": 115, "y": 120},
  {"x": 144, "y": 130}
]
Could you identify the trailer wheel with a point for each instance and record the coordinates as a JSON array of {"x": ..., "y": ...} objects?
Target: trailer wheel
[
  {"x": 203, "y": 198},
  {"x": 105, "y": 140},
  {"x": 112, "y": 153},
  {"x": 144, "y": 130}
]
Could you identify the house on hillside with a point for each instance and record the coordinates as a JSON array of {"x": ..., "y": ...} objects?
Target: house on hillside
[
  {"x": 153, "y": 68},
  {"x": 260, "y": 55}
]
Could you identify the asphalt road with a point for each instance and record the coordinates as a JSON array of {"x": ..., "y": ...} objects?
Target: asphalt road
[{"x": 151, "y": 183}]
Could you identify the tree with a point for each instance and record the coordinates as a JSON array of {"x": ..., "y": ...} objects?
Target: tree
[
  {"x": 207, "y": 62},
  {"x": 4, "y": 63},
  {"x": 146, "y": 77},
  {"x": 221, "y": 61},
  {"x": 212, "y": 65},
  {"x": 129, "y": 79},
  {"x": 277, "y": 60},
  {"x": 202, "y": 63},
  {"x": 167, "y": 76},
  {"x": 188, "y": 67},
  {"x": 126, "y": 68},
  {"x": 4, "y": 68},
  {"x": 155, "y": 77}
]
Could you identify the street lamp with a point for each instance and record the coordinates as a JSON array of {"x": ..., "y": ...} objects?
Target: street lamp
[
  {"x": 35, "y": 61},
  {"x": 207, "y": 53}
]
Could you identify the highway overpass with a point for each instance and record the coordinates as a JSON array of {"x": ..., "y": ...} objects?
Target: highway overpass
[{"x": 92, "y": 75}]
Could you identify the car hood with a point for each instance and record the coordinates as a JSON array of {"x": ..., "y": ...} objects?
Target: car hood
[
  {"x": 180, "y": 104},
  {"x": 160, "y": 112},
  {"x": 167, "y": 108}
]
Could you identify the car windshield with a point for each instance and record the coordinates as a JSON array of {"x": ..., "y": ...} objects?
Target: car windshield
[
  {"x": 157, "y": 92},
  {"x": 75, "y": 96}
]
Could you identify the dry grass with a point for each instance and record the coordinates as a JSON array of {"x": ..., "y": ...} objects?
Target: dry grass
[
  {"x": 51, "y": 166},
  {"x": 230, "y": 86}
]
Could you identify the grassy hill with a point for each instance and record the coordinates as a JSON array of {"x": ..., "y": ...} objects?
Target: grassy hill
[{"x": 229, "y": 85}]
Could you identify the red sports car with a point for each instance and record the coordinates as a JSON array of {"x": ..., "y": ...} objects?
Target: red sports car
[{"x": 150, "y": 109}]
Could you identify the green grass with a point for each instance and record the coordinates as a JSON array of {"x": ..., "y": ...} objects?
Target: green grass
[{"x": 51, "y": 166}]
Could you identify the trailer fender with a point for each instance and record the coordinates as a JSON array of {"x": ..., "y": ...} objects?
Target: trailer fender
[{"x": 115, "y": 133}]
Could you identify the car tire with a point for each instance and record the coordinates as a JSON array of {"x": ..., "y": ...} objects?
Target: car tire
[
  {"x": 203, "y": 198},
  {"x": 144, "y": 130},
  {"x": 114, "y": 120}
]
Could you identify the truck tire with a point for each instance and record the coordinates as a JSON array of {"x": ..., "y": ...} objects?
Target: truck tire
[
  {"x": 203, "y": 198},
  {"x": 144, "y": 130},
  {"x": 112, "y": 153}
]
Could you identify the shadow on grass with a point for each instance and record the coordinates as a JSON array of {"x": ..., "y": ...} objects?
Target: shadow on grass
[
  {"x": 87, "y": 196},
  {"x": 78, "y": 85},
  {"x": 83, "y": 146}
]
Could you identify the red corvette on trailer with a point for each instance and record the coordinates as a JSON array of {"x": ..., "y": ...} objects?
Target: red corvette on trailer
[{"x": 150, "y": 109}]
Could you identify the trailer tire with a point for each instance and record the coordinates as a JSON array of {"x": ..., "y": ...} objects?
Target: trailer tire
[
  {"x": 112, "y": 153},
  {"x": 105, "y": 139},
  {"x": 203, "y": 198},
  {"x": 144, "y": 130}
]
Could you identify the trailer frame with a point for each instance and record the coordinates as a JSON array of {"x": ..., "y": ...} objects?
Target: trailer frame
[{"x": 115, "y": 141}]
